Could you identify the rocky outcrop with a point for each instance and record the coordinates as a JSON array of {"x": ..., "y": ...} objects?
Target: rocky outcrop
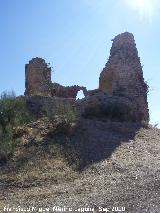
[{"x": 123, "y": 76}]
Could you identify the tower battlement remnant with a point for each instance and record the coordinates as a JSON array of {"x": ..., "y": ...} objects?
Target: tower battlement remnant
[
  {"x": 121, "y": 83},
  {"x": 123, "y": 76},
  {"x": 38, "y": 81},
  {"x": 37, "y": 78}
]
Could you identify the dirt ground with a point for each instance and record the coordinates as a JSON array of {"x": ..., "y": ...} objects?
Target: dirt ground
[{"x": 119, "y": 172}]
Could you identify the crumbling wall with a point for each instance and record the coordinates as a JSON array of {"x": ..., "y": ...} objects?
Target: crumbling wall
[
  {"x": 66, "y": 92},
  {"x": 43, "y": 105},
  {"x": 38, "y": 81},
  {"x": 92, "y": 92},
  {"x": 121, "y": 85},
  {"x": 114, "y": 108},
  {"x": 123, "y": 76},
  {"x": 37, "y": 78}
]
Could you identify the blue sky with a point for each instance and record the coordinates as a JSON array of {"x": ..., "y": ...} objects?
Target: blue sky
[{"x": 75, "y": 37}]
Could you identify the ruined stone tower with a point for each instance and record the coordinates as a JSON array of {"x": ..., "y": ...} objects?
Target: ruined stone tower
[
  {"x": 38, "y": 82},
  {"x": 122, "y": 92},
  {"x": 123, "y": 75},
  {"x": 37, "y": 78}
]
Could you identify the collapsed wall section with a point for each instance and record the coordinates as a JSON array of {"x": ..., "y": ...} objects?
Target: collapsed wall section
[
  {"x": 67, "y": 91},
  {"x": 38, "y": 82}
]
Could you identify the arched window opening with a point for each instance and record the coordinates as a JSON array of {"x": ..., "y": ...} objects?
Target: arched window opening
[{"x": 80, "y": 95}]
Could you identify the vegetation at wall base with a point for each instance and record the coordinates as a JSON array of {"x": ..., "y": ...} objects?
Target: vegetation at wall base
[
  {"x": 16, "y": 121},
  {"x": 13, "y": 113}
]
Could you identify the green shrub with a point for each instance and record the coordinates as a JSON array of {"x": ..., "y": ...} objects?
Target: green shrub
[
  {"x": 67, "y": 112},
  {"x": 7, "y": 145},
  {"x": 13, "y": 113},
  {"x": 64, "y": 117}
]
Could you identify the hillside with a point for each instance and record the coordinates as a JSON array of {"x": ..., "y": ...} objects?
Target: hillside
[
  {"x": 100, "y": 164},
  {"x": 98, "y": 152}
]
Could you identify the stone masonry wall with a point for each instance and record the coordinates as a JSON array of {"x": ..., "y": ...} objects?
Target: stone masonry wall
[
  {"x": 66, "y": 92},
  {"x": 123, "y": 75},
  {"x": 37, "y": 78},
  {"x": 38, "y": 81},
  {"x": 122, "y": 90},
  {"x": 40, "y": 105}
]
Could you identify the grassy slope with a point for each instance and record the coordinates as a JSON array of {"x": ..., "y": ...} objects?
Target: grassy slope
[{"x": 120, "y": 167}]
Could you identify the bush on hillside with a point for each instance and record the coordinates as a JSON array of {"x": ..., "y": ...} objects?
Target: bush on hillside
[
  {"x": 13, "y": 113},
  {"x": 64, "y": 117}
]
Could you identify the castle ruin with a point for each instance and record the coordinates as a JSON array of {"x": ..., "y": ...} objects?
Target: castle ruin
[
  {"x": 121, "y": 82},
  {"x": 123, "y": 76},
  {"x": 38, "y": 82},
  {"x": 37, "y": 78}
]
